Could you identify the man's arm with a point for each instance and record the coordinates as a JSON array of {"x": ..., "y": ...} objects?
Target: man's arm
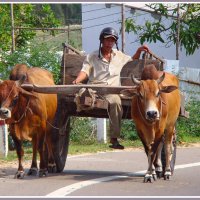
[
  {"x": 80, "y": 78},
  {"x": 139, "y": 50}
]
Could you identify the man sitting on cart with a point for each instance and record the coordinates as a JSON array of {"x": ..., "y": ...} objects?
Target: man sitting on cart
[{"x": 103, "y": 66}]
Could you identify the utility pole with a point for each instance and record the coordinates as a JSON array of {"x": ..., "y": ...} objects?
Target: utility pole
[
  {"x": 123, "y": 27},
  {"x": 12, "y": 28},
  {"x": 178, "y": 32}
]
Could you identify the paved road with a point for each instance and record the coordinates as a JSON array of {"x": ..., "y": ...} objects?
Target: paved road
[{"x": 118, "y": 173}]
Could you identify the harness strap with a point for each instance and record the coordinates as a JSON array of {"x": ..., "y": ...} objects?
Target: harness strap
[{"x": 24, "y": 114}]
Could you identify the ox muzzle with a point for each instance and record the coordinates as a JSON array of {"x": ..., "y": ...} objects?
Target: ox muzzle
[
  {"x": 152, "y": 115},
  {"x": 5, "y": 113}
]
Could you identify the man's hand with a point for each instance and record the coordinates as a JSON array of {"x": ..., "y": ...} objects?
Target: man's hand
[
  {"x": 80, "y": 78},
  {"x": 139, "y": 50},
  {"x": 143, "y": 48},
  {"x": 74, "y": 82}
]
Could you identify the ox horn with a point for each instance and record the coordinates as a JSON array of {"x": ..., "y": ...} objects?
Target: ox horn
[
  {"x": 159, "y": 80},
  {"x": 135, "y": 81},
  {"x": 1, "y": 81}
]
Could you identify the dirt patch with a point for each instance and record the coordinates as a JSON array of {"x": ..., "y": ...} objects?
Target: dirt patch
[
  {"x": 189, "y": 145},
  {"x": 9, "y": 168}
]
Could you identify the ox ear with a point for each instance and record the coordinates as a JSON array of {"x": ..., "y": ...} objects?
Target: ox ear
[
  {"x": 168, "y": 89},
  {"x": 128, "y": 93}
]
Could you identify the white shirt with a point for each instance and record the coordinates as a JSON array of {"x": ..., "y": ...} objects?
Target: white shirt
[{"x": 101, "y": 71}]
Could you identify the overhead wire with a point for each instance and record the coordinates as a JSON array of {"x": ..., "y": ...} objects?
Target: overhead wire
[
  {"x": 99, "y": 17},
  {"x": 94, "y": 10},
  {"x": 100, "y": 24},
  {"x": 105, "y": 23}
]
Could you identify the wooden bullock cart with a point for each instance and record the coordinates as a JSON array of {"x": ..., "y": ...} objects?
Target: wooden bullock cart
[{"x": 87, "y": 105}]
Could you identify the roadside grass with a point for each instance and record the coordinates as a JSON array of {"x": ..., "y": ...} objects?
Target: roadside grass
[
  {"x": 78, "y": 149},
  {"x": 188, "y": 140},
  {"x": 75, "y": 149}
]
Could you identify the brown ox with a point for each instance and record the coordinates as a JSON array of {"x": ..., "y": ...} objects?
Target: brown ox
[
  {"x": 29, "y": 116},
  {"x": 155, "y": 109}
]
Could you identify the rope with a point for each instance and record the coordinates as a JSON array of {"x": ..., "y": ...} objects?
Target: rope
[
  {"x": 8, "y": 95},
  {"x": 52, "y": 125},
  {"x": 24, "y": 114}
]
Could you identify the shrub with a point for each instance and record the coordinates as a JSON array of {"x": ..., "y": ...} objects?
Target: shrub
[
  {"x": 128, "y": 131},
  {"x": 34, "y": 55},
  {"x": 189, "y": 127},
  {"x": 83, "y": 130}
]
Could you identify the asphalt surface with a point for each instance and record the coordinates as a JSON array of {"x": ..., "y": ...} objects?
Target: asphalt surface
[{"x": 108, "y": 174}]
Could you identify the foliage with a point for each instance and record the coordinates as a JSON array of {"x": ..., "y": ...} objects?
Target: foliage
[
  {"x": 83, "y": 131},
  {"x": 128, "y": 131},
  {"x": 25, "y": 15},
  {"x": 157, "y": 30},
  {"x": 189, "y": 127},
  {"x": 34, "y": 55},
  {"x": 67, "y": 13}
]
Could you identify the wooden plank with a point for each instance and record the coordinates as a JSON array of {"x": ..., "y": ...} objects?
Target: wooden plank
[
  {"x": 71, "y": 66},
  {"x": 99, "y": 103},
  {"x": 69, "y": 106},
  {"x": 135, "y": 67},
  {"x": 73, "y": 89}
]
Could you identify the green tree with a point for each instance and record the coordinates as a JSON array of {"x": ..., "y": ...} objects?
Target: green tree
[
  {"x": 35, "y": 55},
  {"x": 157, "y": 30},
  {"x": 25, "y": 15},
  {"x": 67, "y": 13}
]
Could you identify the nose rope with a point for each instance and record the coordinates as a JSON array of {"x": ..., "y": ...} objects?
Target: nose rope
[
  {"x": 26, "y": 109},
  {"x": 138, "y": 103},
  {"x": 140, "y": 109}
]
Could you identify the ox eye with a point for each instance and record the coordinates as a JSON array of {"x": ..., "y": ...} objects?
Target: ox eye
[
  {"x": 14, "y": 101},
  {"x": 158, "y": 94}
]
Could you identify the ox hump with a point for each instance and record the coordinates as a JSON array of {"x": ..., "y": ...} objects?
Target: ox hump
[{"x": 150, "y": 72}]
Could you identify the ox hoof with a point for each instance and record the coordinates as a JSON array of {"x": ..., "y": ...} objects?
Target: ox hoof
[
  {"x": 159, "y": 174},
  {"x": 167, "y": 175},
  {"x": 52, "y": 168},
  {"x": 19, "y": 175},
  {"x": 43, "y": 172},
  {"x": 32, "y": 172},
  {"x": 148, "y": 178}
]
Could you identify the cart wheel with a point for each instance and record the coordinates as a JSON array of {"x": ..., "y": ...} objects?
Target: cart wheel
[
  {"x": 60, "y": 136},
  {"x": 173, "y": 158}
]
